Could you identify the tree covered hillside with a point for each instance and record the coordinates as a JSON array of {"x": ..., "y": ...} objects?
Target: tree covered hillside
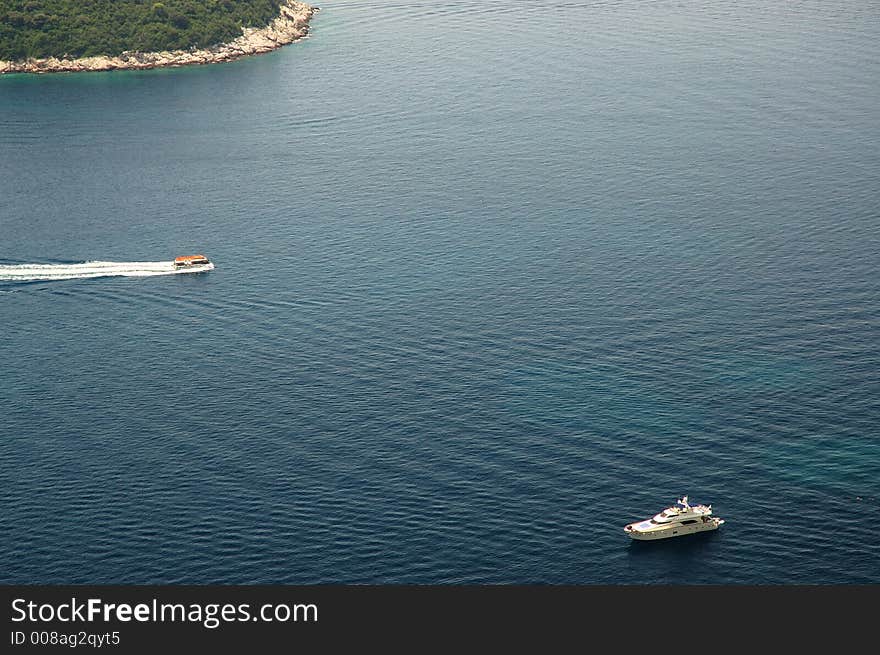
[{"x": 82, "y": 28}]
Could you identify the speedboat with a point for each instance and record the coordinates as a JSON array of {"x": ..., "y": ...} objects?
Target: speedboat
[
  {"x": 193, "y": 263},
  {"x": 678, "y": 520}
]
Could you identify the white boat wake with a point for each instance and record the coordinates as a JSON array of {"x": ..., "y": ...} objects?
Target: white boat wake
[{"x": 32, "y": 272}]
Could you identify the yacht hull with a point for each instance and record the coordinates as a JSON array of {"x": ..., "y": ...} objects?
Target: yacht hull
[
  {"x": 195, "y": 268},
  {"x": 668, "y": 532}
]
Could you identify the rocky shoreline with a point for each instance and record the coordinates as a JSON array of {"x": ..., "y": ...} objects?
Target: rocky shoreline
[{"x": 291, "y": 25}]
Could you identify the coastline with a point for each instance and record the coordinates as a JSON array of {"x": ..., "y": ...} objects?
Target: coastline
[{"x": 292, "y": 24}]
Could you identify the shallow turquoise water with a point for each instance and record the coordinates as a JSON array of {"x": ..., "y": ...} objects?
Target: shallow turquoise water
[{"x": 493, "y": 280}]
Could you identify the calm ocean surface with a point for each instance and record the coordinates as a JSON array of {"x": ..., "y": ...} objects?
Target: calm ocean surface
[{"x": 493, "y": 279}]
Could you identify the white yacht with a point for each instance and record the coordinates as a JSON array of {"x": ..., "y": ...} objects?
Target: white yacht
[{"x": 676, "y": 521}]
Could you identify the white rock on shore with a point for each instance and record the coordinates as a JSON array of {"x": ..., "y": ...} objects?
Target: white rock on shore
[{"x": 291, "y": 25}]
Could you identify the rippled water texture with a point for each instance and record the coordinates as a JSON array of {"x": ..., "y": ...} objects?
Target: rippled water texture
[{"x": 493, "y": 279}]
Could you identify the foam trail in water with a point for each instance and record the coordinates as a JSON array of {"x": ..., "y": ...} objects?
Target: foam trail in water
[{"x": 29, "y": 272}]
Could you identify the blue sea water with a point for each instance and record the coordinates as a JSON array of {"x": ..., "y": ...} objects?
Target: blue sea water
[{"x": 493, "y": 279}]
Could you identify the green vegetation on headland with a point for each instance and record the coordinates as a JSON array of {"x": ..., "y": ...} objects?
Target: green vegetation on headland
[{"x": 84, "y": 28}]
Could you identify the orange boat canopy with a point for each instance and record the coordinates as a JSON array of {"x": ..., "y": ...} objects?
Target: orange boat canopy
[{"x": 190, "y": 259}]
